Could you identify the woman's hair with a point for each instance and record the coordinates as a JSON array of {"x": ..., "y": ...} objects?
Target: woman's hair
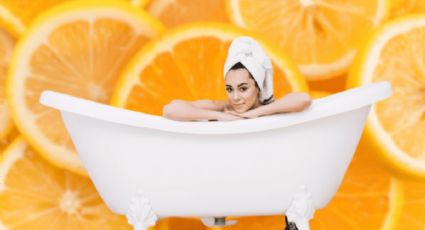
[{"x": 241, "y": 66}]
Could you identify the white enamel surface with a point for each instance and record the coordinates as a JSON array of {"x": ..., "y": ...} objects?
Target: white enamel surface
[{"x": 246, "y": 167}]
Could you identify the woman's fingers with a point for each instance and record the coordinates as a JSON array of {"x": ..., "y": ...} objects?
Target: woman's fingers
[{"x": 234, "y": 113}]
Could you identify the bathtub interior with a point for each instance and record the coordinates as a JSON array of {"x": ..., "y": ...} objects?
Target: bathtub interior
[{"x": 337, "y": 103}]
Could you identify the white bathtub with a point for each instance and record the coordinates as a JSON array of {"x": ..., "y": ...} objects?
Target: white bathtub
[{"x": 149, "y": 167}]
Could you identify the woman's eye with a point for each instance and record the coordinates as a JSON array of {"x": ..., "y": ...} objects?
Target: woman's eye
[
  {"x": 243, "y": 89},
  {"x": 229, "y": 90}
]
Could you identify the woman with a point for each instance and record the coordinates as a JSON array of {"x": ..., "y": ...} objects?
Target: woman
[{"x": 248, "y": 75}]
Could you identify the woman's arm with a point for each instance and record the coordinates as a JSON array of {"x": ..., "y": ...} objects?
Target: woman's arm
[
  {"x": 292, "y": 102},
  {"x": 197, "y": 110}
]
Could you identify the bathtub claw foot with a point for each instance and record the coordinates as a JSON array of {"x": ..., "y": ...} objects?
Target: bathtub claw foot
[
  {"x": 217, "y": 221},
  {"x": 140, "y": 213},
  {"x": 301, "y": 209}
]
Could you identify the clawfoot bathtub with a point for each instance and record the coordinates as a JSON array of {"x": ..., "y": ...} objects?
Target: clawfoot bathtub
[{"x": 148, "y": 167}]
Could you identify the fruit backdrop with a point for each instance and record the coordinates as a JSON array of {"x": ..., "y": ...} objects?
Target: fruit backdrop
[{"x": 142, "y": 54}]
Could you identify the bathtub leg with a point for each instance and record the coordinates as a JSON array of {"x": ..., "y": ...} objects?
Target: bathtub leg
[
  {"x": 300, "y": 211},
  {"x": 217, "y": 221},
  {"x": 140, "y": 213},
  {"x": 290, "y": 225}
]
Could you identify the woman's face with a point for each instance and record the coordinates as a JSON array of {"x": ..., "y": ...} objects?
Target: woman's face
[{"x": 241, "y": 90}]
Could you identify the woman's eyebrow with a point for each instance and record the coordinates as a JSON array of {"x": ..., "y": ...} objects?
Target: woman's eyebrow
[{"x": 241, "y": 84}]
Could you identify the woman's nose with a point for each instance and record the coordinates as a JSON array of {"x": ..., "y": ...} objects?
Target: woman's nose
[{"x": 235, "y": 95}]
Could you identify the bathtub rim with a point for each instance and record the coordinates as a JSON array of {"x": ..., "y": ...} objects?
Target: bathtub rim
[{"x": 320, "y": 108}]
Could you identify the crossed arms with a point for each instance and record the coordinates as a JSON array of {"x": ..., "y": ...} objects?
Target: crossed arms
[{"x": 220, "y": 110}]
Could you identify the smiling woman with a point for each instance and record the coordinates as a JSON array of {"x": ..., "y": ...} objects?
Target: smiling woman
[{"x": 248, "y": 75}]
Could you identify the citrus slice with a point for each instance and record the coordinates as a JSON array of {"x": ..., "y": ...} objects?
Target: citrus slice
[
  {"x": 404, "y": 7},
  {"x": 396, "y": 126},
  {"x": 180, "y": 223},
  {"x": 369, "y": 198},
  {"x": 320, "y": 35},
  {"x": 187, "y": 63},
  {"x": 176, "y": 12},
  {"x": 7, "y": 43},
  {"x": 37, "y": 195},
  {"x": 17, "y": 15},
  {"x": 332, "y": 85},
  {"x": 413, "y": 215},
  {"x": 319, "y": 94},
  {"x": 77, "y": 48},
  {"x": 139, "y": 3},
  {"x": 5, "y": 141}
]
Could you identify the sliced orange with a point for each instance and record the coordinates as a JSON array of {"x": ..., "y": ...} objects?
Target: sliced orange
[
  {"x": 7, "y": 43},
  {"x": 5, "y": 141},
  {"x": 404, "y": 7},
  {"x": 319, "y": 94},
  {"x": 332, "y": 85},
  {"x": 20, "y": 13},
  {"x": 413, "y": 215},
  {"x": 139, "y": 3},
  {"x": 37, "y": 195},
  {"x": 395, "y": 128},
  {"x": 180, "y": 223},
  {"x": 177, "y": 12},
  {"x": 369, "y": 198},
  {"x": 321, "y": 35},
  {"x": 77, "y": 48},
  {"x": 187, "y": 63}
]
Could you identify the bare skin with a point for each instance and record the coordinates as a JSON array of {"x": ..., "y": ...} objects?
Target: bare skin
[{"x": 243, "y": 102}]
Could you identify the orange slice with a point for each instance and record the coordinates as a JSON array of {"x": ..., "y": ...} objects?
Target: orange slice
[
  {"x": 176, "y": 12},
  {"x": 395, "y": 128},
  {"x": 77, "y": 48},
  {"x": 332, "y": 85},
  {"x": 180, "y": 223},
  {"x": 20, "y": 13},
  {"x": 404, "y": 7},
  {"x": 7, "y": 43},
  {"x": 5, "y": 141},
  {"x": 320, "y": 35},
  {"x": 413, "y": 215},
  {"x": 37, "y": 195},
  {"x": 369, "y": 198},
  {"x": 318, "y": 94},
  {"x": 187, "y": 63}
]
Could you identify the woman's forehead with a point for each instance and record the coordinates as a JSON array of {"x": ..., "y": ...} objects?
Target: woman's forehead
[{"x": 237, "y": 77}]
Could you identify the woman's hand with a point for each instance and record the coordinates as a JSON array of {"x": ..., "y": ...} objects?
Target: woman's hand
[
  {"x": 248, "y": 114},
  {"x": 228, "y": 116},
  {"x": 251, "y": 113}
]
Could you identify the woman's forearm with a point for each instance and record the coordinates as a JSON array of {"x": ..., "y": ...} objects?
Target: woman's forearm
[{"x": 183, "y": 111}]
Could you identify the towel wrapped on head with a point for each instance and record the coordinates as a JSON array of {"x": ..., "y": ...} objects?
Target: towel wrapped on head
[{"x": 250, "y": 54}]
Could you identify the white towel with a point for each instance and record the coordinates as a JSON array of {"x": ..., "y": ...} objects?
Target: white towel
[{"x": 248, "y": 52}]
